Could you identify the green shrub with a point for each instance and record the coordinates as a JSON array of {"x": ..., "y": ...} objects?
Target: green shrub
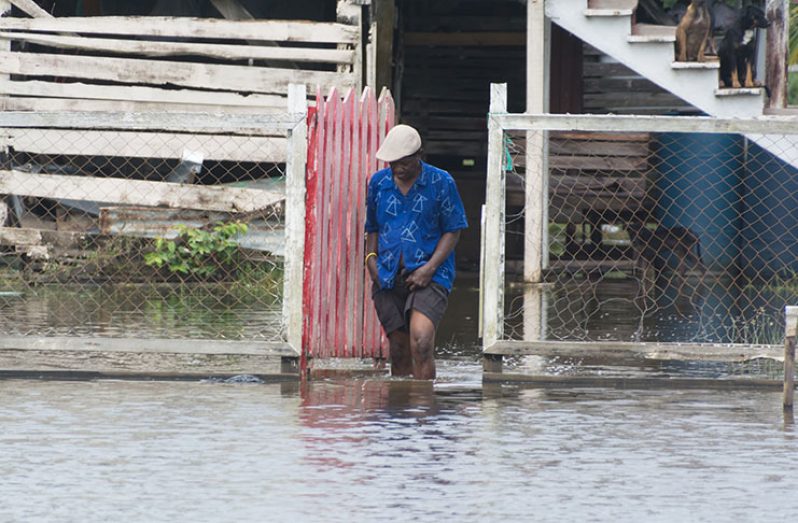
[{"x": 199, "y": 253}]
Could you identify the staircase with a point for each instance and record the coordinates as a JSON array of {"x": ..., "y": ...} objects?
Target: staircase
[{"x": 609, "y": 26}]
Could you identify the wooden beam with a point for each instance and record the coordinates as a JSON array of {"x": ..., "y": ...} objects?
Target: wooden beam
[
  {"x": 137, "y": 192},
  {"x": 5, "y": 10},
  {"x": 152, "y": 345},
  {"x": 152, "y": 72},
  {"x": 703, "y": 124},
  {"x": 492, "y": 271},
  {"x": 473, "y": 39},
  {"x": 144, "y": 145},
  {"x": 181, "y": 27},
  {"x": 82, "y": 105},
  {"x": 348, "y": 13},
  {"x": 163, "y": 48},
  {"x": 295, "y": 216},
  {"x": 139, "y": 358},
  {"x": 730, "y": 352},
  {"x": 214, "y": 123},
  {"x": 30, "y": 237},
  {"x": 790, "y": 335},
  {"x": 17, "y": 236},
  {"x": 137, "y": 93},
  {"x": 536, "y": 147},
  {"x": 776, "y": 51},
  {"x": 384, "y": 18},
  {"x": 31, "y": 8},
  {"x": 151, "y": 222},
  {"x": 566, "y": 381}
]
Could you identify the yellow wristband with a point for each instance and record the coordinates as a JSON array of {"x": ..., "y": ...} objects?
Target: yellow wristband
[{"x": 369, "y": 255}]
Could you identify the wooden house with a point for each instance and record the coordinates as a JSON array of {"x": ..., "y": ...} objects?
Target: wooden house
[{"x": 438, "y": 58}]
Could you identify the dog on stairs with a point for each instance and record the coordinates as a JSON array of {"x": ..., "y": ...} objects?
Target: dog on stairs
[
  {"x": 694, "y": 32},
  {"x": 738, "y": 48}
]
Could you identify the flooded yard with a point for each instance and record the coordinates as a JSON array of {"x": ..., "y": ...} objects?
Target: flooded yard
[
  {"x": 383, "y": 449},
  {"x": 373, "y": 449}
]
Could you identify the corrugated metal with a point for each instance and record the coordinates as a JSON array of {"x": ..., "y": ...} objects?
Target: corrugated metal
[{"x": 344, "y": 135}]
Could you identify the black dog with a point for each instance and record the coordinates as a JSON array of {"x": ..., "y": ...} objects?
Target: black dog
[{"x": 738, "y": 48}]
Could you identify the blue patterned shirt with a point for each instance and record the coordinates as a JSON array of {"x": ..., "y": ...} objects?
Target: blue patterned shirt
[{"x": 411, "y": 225}]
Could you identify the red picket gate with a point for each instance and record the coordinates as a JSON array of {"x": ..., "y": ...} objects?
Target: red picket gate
[{"x": 343, "y": 137}]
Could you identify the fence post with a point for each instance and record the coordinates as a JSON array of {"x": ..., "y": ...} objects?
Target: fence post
[
  {"x": 777, "y": 43},
  {"x": 492, "y": 271},
  {"x": 295, "y": 217},
  {"x": 536, "y": 179},
  {"x": 791, "y": 326}
]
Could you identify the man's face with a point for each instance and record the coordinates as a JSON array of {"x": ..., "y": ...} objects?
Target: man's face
[{"x": 406, "y": 168}]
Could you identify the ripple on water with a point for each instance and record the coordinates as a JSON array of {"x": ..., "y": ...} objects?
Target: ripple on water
[{"x": 381, "y": 449}]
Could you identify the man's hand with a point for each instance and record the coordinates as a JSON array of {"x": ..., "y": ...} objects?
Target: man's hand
[{"x": 420, "y": 278}]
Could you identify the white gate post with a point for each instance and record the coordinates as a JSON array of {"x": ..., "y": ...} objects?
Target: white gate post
[
  {"x": 791, "y": 326},
  {"x": 295, "y": 217},
  {"x": 536, "y": 177},
  {"x": 493, "y": 238}
]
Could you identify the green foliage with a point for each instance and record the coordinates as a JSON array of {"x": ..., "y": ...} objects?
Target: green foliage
[
  {"x": 198, "y": 253},
  {"x": 793, "y": 58},
  {"x": 792, "y": 88}
]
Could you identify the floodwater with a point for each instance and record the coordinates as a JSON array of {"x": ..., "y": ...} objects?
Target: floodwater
[
  {"x": 576, "y": 310},
  {"x": 379, "y": 449},
  {"x": 390, "y": 450}
]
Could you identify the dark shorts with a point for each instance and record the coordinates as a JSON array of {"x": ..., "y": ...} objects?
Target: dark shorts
[{"x": 394, "y": 305}]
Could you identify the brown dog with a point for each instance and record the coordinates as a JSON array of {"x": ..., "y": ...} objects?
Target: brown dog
[
  {"x": 652, "y": 245},
  {"x": 694, "y": 32}
]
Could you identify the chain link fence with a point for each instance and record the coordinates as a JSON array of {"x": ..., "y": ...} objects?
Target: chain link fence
[
  {"x": 653, "y": 229},
  {"x": 145, "y": 229}
]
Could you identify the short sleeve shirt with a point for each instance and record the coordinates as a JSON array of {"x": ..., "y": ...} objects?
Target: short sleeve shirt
[{"x": 411, "y": 225}]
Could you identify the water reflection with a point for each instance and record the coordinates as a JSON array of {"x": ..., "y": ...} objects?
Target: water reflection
[
  {"x": 149, "y": 311},
  {"x": 383, "y": 449}
]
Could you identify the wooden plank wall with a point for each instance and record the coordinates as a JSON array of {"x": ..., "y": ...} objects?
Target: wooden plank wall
[
  {"x": 168, "y": 63},
  {"x": 345, "y": 132},
  {"x": 448, "y": 53},
  {"x": 611, "y": 87},
  {"x": 452, "y": 51}
]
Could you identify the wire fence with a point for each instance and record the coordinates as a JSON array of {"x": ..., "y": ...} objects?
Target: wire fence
[
  {"x": 651, "y": 229},
  {"x": 149, "y": 227}
]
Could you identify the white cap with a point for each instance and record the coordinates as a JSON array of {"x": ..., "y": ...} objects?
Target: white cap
[{"x": 400, "y": 141}]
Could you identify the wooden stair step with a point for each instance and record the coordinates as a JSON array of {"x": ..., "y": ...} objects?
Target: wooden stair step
[
  {"x": 742, "y": 91},
  {"x": 610, "y": 7},
  {"x": 649, "y": 33},
  {"x": 710, "y": 64}
]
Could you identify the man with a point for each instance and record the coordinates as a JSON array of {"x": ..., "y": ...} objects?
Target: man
[{"x": 414, "y": 216}]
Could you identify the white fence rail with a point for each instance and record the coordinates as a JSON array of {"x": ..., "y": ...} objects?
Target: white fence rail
[
  {"x": 83, "y": 196},
  {"x": 638, "y": 234}
]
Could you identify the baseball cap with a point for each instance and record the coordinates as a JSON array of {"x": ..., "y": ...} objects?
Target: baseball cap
[{"x": 400, "y": 141}]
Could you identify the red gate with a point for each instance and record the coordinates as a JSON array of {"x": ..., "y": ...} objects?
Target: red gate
[{"x": 343, "y": 137}]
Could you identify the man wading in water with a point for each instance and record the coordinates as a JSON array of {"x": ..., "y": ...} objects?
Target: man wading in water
[{"x": 413, "y": 220}]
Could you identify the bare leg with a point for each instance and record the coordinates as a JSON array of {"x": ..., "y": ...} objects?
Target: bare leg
[
  {"x": 401, "y": 360},
  {"x": 422, "y": 346}
]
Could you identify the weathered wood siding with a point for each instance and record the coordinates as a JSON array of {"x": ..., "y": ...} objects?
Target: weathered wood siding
[{"x": 169, "y": 63}]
